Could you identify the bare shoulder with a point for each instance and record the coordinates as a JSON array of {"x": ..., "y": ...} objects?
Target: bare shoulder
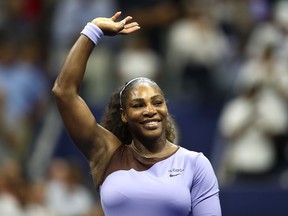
[{"x": 102, "y": 152}]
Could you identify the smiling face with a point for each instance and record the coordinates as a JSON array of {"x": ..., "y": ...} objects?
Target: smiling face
[{"x": 145, "y": 111}]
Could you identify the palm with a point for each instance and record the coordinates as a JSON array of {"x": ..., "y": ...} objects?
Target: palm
[{"x": 109, "y": 26}]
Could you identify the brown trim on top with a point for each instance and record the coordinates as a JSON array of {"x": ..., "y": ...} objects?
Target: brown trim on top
[{"x": 125, "y": 158}]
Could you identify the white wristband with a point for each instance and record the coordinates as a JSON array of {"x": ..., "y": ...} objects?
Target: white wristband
[{"x": 93, "y": 32}]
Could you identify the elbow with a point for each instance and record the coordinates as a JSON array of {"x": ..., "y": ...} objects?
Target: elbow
[
  {"x": 60, "y": 93},
  {"x": 64, "y": 93},
  {"x": 57, "y": 91}
]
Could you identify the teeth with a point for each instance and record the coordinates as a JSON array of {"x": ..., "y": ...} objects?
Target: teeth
[{"x": 151, "y": 123}]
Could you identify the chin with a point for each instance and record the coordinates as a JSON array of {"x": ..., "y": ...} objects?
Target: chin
[{"x": 153, "y": 135}]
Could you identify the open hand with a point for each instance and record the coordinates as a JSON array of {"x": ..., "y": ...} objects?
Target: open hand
[{"x": 111, "y": 27}]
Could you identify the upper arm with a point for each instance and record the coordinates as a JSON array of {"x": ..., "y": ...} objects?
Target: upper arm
[
  {"x": 208, "y": 207},
  {"x": 205, "y": 190},
  {"x": 83, "y": 128}
]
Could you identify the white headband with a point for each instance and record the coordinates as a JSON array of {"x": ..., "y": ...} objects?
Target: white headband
[{"x": 129, "y": 82}]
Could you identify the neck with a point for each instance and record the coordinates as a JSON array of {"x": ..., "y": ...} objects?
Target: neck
[{"x": 150, "y": 150}]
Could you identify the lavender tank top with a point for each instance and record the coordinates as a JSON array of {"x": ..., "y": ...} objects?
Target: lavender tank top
[{"x": 181, "y": 184}]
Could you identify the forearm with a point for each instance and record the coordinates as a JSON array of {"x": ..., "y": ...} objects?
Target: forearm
[{"x": 71, "y": 75}]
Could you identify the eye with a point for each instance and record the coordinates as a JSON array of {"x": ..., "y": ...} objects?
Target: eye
[
  {"x": 158, "y": 102},
  {"x": 137, "y": 105}
]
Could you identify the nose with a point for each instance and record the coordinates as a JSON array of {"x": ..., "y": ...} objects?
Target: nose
[{"x": 149, "y": 111}]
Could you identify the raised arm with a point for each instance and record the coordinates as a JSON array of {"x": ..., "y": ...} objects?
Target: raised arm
[{"x": 91, "y": 138}]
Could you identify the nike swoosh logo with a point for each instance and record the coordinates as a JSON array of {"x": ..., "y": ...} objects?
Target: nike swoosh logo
[{"x": 171, "y": 175}]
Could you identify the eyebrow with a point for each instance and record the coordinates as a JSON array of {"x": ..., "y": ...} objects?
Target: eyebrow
[{"x": 152, "y": 98}]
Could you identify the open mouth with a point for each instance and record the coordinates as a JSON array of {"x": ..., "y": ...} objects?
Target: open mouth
[{"x": 151, "y": 124}]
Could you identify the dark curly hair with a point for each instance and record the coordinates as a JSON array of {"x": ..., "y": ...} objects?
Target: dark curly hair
[{"x": 111, "y": 119}]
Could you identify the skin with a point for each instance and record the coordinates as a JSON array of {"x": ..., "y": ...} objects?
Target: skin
[
  {"x": 94, "y": 141},
  {"x": 146, "y": 114}
]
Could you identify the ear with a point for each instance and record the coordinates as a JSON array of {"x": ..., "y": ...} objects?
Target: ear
[{"x": 123, "y": 116}]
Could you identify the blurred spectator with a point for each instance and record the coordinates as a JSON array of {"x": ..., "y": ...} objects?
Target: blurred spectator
[
  {"x": 238, "y": 18},
  {"x": 35, "y": 200},
  {"x": 273, "y": 33},
  {"x": 137, "y": 59},
  {"x": 11, "y": 183},
  {"x": 68, "y": 17},
  {"x": 64, "y": 30},
  {"x": 13, "y": 19},
  {"x": 154, "y": 17},
  {"x": 196, "y": 49},
  {"x": 21, "y": 17},
  {"x": 255, "y": 122},
  {"x": 23, "y": 90},
  {"x": 66, "y": 193}
]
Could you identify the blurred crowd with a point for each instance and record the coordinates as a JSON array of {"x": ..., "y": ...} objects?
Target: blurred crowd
[{"x": 222, "y": 51}]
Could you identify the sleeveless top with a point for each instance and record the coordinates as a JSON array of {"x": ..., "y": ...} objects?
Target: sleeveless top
[{"x": 180, "y": 184}]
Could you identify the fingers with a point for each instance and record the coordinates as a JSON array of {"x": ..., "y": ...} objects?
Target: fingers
[
  {"x": 131, "y": 25},
  {"x": 126, "y": 27},
  {"x": 116, "y": 16},
  {"x": 126, "y": 19},
  {"x": 123, "y": 26},
  {"x": 129, "y": 28},
  {"x": 132, "y": 29}
]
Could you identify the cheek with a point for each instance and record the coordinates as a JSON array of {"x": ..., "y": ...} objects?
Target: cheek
[
  {"x": 164, "y": 116},
  {"x": 133, "y": 116},
  {"x": 163, "y": 112},
  {"x": 165, "y": 120}
]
